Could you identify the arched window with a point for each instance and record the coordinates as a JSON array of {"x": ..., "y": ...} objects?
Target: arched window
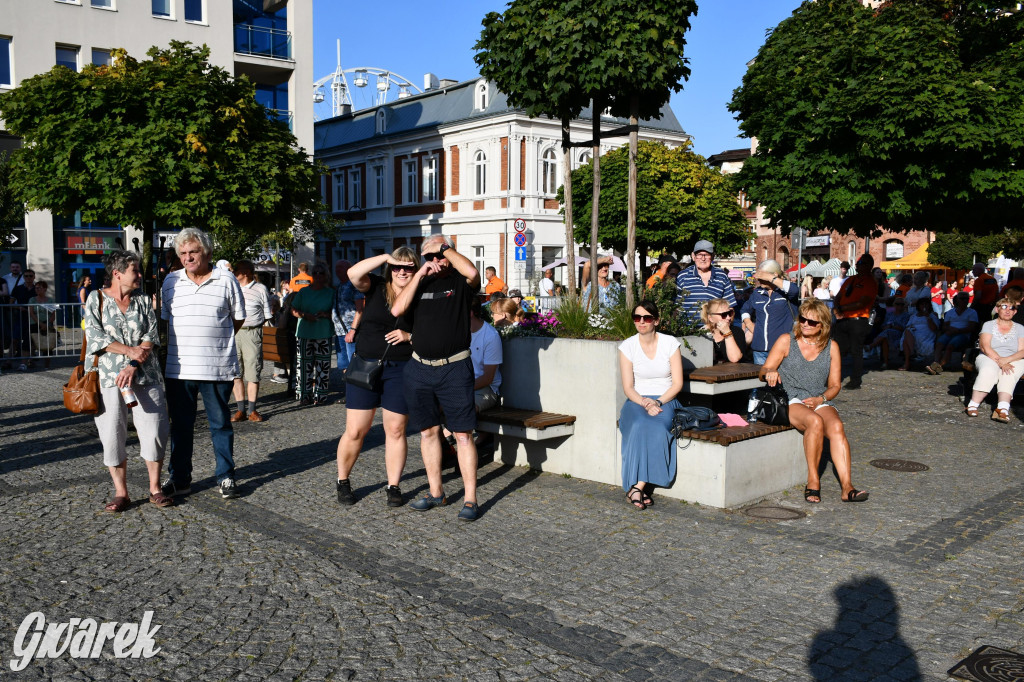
[
  {"x": 764, "y": 256},
  {"x": 381, "y": 121},
  {"x": 784, "y": 252},
  {"x": 481, "y": 96},
  {"x": 851, "y": 253},
  {"x": 480, "y": 172},
  {"x": 549, "y": 172},
  {"x": 584, "y": 158}
]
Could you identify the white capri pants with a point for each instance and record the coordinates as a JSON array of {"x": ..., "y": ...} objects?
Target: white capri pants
[
  {"x": 990, "y": 375},
  {"x": 151, "y": 424}
]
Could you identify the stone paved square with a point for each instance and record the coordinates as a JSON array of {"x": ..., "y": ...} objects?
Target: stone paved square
[{"x": 560, "y": 579}]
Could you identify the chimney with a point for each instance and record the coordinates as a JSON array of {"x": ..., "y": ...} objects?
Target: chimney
[{"x": 429, "y": 82}]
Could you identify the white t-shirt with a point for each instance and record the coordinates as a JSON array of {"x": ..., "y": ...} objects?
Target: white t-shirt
[
  {"x": 200, "y": 327},
  {"x": 835, "y": 285},
  {"x": 651, "y": 377},
  {"x": 485, "y": 349},
  {"x": 823, "y": 294},
  {"x": 547, "y": 287}
]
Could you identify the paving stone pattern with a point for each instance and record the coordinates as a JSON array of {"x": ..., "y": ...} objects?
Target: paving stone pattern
[{"x": 560, "y": 579}]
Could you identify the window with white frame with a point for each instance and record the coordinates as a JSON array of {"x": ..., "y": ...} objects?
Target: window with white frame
[
  {"x": 67, "y": 55},
  {"x": 6, "y": 71},
  {"x": 430, "y": 192},
  {"x": 101, "y": 57},
  {"x": 355, "y": 189},
  {"x": 851, "y": 253},
  {"x": 379, "y": 186},
  {"x": 584, "y": 158},
  {"x": 195, "y": 11},
  {"x": 381, "y": 122},
  {"x": 411, "y": 187},
  {"x": 478, "y": 258},
  {"x": 162, "y": 8},
  {"x": 549, "y": 172},
  {"x": 105, "y": 4},
  {"x": 480, "y": 173},
  {"x": 481, "y": 96},
  {"x": 339, "y": 192}
]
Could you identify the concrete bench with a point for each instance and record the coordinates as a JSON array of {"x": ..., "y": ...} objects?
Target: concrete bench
[
  {"x": 726, "y": 377},
  {"x": 525, "y": 424},
  {"x": 737, "y": 465}
]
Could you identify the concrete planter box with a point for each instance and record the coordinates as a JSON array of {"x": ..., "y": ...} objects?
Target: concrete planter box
[{"x": 578, "y": 377}]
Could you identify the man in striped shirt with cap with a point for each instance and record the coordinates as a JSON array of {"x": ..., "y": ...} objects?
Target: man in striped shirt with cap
[{"x": 701, "y": 282}]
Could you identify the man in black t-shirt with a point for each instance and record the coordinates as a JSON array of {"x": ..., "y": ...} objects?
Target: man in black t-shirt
[{"x": 440, "y": 375}]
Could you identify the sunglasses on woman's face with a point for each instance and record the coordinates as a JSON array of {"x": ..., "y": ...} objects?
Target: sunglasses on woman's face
[
  {"x": 643, "y": 318},
  {"x": 403, "y": 268},
  {"x": 810, "y": 323},
  {"x": 726, "y": 313},
  {"x": 1007, "y": 306}
]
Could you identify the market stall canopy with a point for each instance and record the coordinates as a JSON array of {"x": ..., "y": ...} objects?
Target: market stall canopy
[
  {"x": 616, "y": 266},
  {"x": 831, "y": 269},
  {"x": 918, "y": 260}
]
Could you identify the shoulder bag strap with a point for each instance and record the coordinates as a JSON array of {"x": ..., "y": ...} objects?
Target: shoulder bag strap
[{"x": 81, "y": 355}]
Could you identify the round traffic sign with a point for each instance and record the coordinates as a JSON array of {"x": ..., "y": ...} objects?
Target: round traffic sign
[
  {"x": 520, "y": 225},
  {"x": 520, "y": 239}
]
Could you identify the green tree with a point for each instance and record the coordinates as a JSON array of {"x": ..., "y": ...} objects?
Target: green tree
[
  {"x": 910, "y": 116},
  {"x": 12, "y": 209},
  {"x": 172, "y": 140},
  {"x": 680, "y": 200},
  {"x": 961, "y": 250}
]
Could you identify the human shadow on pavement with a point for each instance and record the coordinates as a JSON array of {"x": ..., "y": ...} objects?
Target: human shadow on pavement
[{"x": 865, "y": 643}]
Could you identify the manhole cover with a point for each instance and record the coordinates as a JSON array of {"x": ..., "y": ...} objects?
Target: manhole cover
[
  {"x": 771, "y": 513},
  {"x": 898, "y": 465},
  {"x": 989, "y": 664}
]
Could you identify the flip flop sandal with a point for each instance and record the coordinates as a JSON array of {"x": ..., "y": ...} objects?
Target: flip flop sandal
[
  {"x": 160, "y": 500},
  {"x": 856, "y": 496},
  {"x": 811, "y": 492},
  {"x": 637, "y": 501},
  {"x": 117, "y": 505}
]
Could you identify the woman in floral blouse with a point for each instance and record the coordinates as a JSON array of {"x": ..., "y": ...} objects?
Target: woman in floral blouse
[{"x": 120, "y": 328}]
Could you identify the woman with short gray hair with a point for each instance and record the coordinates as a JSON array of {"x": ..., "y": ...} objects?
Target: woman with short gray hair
[
  {"x": 768, "y": 313},
  {"x": 121, "y": 333}
]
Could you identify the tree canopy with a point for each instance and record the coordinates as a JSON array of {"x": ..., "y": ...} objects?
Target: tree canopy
[
  {"x": 12, "y": 209},
  {"x": 680, "y": 200},
  {"x": 910, "y": 116},
  {"x": 961, "y": 250},
  {"x": 171, "y": 139}
]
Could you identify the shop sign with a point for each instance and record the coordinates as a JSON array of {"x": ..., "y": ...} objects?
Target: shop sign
[
  {"x": 821, "y": 240},
  {"x": 89, "y": 243},
  {"x": 893, "y": 250}
]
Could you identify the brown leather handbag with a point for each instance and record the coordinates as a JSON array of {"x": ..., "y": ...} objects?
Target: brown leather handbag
[{"x": 82, "y": 392}]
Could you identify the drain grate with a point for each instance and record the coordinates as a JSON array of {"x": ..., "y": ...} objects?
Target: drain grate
[
  {"x": 766, "y": 512},
  {"x": 898, "y": 465},
  {"x": 989, "y": 664}
]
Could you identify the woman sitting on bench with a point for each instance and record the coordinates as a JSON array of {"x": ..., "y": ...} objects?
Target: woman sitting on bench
[
  {"x": 652, "y": 376},
  {"x": 1000, "y": 363},
  {"x": 807, "y": 364}
]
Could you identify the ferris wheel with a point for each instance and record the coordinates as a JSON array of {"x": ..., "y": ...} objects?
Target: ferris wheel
[{"x": 332, "y": 95}]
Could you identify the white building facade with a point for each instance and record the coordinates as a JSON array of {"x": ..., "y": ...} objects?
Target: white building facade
[
  {"x": 459, "y": 161},
  {"x": 268, "y": 40}
]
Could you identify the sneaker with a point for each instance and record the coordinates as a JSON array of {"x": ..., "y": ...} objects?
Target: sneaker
[
  {"x": 279, "y": 380},
  {"x": 428, "y": 502},
  {"x": 469, "y": 512},
  {"x": 172, "y": 489},
  {"x": 394, "y": 496},
  {"x": 345, "y": 495},
  {"x": 228, "y": 489},
  {"x": 22, "y": 367}
]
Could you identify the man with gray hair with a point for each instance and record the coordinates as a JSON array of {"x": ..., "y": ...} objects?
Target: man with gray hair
[
  {"x": 440, "y": 375},
  {"x": 204, "y": 307}
]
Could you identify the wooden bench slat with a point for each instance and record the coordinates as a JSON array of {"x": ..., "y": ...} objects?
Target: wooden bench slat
[
  {"x": 534, "y": 419},
  {"x": 735, "y": 434},
  {"x": 726, "y": 371}
]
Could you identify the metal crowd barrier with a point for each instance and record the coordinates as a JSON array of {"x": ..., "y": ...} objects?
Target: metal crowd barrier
[{"x": 39, "y": 331}]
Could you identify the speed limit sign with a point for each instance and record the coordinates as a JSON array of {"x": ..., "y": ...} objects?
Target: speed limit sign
[{"x": 520, "y": 225}]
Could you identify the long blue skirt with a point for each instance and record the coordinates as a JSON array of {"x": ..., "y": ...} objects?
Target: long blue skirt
[{"x": 648, "y": 448}]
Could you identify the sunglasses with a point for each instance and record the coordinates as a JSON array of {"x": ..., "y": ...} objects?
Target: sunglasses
[
  {"x": 809, "y": 323},
  {"x": 434, "y": 255},
  {"x": 403, "y": 268},
  {"x": 1007, "y": 306},
  {"x": 727, "y": 313},
  {"x": 643, "y": 318}
]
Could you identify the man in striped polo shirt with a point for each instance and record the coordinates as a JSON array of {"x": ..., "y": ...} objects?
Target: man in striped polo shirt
[
  {"x": 204, "y": 307},
  {"x": 701, "y": 282}
]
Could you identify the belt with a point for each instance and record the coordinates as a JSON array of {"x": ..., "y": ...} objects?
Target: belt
[
  {"x": 462, "y": 355},
  {"x": 258, "y": 326}
]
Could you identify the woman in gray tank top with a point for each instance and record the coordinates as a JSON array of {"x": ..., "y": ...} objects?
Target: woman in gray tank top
[{"x": 807, "y": 364}]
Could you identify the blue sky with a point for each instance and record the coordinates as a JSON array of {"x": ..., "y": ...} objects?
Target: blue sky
[{"x": 412, "y": 38}]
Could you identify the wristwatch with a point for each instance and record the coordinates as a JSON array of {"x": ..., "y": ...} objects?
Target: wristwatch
[
  {"x": 658, "y": 402},
  {"x": 135, "y": 364},
  {"x": 443, "y": 248}
]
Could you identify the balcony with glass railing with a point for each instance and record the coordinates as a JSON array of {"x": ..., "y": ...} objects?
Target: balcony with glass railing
[
  {"x": 263, "y": 42},
  {"x": 282, "y": 115}
]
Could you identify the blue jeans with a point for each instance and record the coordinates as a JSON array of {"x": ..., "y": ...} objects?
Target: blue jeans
[
  {"x": 182, "y": 404},
  {"x": 344, "y": 351},
  {"x": 760, "y": 356}
]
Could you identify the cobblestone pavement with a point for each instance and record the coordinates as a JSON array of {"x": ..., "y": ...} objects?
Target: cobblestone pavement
[{"x": 559, "y": 579}]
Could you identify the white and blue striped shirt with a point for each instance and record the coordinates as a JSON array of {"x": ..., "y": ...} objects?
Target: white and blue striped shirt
[
  {"x": 200, "y": 330},
  {"x": 696, "y": 292}
]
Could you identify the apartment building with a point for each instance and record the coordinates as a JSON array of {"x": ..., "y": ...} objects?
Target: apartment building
[
  {"x": 270, "y": 41},
  {"x": 457, "y": 159}
]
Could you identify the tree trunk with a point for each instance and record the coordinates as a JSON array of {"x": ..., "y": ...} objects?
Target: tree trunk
[
  {"x": 570, "y": 248},
  {"x": 634, "y": 108},
  {"x": 596, "y": 116}
]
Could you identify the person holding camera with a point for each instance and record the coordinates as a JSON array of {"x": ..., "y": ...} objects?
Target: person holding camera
[{"x": 768, "y": 313}]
